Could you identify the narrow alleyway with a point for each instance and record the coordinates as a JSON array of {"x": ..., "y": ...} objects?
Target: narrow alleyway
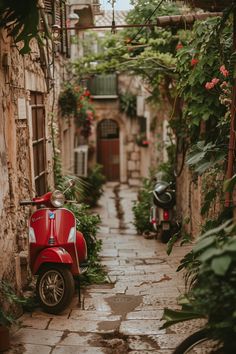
[{"x": 122, "y": 316}]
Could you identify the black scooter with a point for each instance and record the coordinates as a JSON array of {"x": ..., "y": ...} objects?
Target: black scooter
[{"x": 163, "y": 211}]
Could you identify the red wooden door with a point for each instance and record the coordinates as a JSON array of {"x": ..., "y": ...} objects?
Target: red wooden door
[{"x": 108, "y": 148}]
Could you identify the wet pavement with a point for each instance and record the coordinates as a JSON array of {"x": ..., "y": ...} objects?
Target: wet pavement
[{"x": 123, "y": 315}]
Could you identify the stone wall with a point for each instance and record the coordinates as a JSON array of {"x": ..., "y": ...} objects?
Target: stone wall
[
  {"x": 18, "y": 76},
  {"x": 15, "y": 168}
]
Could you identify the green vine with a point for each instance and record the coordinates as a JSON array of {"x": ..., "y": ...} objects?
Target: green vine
[{"x": 128, "y": 104}]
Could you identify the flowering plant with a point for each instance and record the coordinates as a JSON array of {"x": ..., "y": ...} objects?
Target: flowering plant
[
  {"x": 85, "y": 114},
  {"x": 76, "y": 101},
  {"x": 223, "y": 87}
]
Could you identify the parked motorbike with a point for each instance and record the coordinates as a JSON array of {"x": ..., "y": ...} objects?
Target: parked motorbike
[
  {"x": 58, "y": 253},
  {"x": 163, "y": 211}
]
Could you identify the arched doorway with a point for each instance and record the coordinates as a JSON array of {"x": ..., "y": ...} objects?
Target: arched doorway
[{"x": 108, "y": 148}]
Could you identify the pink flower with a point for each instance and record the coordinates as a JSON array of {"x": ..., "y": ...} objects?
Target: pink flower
[
  {"x": 194, "y": 61},
  {"x": 224, "y": 71},
  {"x": 224, "y": 84},
  {"x": 209, "y": 85},
  {"x": 215, "y": 81},
  {"x": 179, "y": 46}
]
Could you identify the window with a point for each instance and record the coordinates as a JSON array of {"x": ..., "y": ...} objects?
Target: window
[
  {"x": 142, "y": 125},
  {"x": 39, "y": 142},
  {"x": 103, "y": 86},
  {"x": 56, "y": 11}
]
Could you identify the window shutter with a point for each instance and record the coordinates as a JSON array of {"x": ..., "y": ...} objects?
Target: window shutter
[{"x": 81, "y": 161}]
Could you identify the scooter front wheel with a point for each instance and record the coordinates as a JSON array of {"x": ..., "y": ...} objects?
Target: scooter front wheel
[{"x": 55, "y": 288}]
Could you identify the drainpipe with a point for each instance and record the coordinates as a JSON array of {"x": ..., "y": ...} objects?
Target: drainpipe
[{"x": 231, "y": 152}]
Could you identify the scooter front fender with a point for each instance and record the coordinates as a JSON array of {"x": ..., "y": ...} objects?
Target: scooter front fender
[{"x": 52, "y": 255}]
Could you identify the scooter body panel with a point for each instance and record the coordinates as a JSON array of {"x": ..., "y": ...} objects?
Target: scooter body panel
[
  {"x": 50, "y": 256},
  {"x": 51, "y": 227}
]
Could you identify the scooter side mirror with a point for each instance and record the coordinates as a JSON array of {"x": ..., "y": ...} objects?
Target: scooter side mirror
[
  {"x": 161, "y": 188},
  {"x": 70, "y": 183}
]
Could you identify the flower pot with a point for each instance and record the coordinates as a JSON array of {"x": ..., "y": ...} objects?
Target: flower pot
[{"x": 4, "y": 338}]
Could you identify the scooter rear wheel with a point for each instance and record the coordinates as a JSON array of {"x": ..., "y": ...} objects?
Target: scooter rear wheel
[
  {"x": 55, "y": 288},
  {"x": 165, "y": 236}
]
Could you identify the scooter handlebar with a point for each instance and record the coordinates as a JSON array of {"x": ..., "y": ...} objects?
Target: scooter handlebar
[{"x": 27, "y": 202}]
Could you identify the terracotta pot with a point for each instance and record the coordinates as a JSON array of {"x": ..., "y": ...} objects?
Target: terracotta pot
[{"x": 4, "y": 338}]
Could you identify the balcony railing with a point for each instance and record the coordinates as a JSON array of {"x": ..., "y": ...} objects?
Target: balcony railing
[{"x": 103, "y": 86}]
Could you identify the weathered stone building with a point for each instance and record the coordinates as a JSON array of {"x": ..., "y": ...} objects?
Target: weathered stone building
[{"x": 29, "y": 89}]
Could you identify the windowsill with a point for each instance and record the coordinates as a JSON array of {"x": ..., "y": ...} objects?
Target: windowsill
[{"x": 104, "y": 97}]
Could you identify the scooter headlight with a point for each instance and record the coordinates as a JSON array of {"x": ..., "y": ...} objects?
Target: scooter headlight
[{"x": 57, "y": 199}]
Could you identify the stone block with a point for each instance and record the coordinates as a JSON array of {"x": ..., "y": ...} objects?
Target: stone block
[
  {"x": 134, "y": 182},
  {"x": 135, "y": 156},
  {"x": 135, "y": 174},
  {"x": 131, "y": 166},
  {"x": 130, "y": 147}
]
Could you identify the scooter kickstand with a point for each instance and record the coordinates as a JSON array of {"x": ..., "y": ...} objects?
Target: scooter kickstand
[{"x": 79, "y": 293}]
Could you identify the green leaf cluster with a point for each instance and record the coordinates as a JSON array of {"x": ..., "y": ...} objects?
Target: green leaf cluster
[
  {"x": 141, "y": 207},
  {"x": 21, "y": 18},
  {"x": 204, "y": 156},
  {"x": 213, "y": 295},
  {"x": 128, "y": 104},
  {"x": 94, "y": 185},
  {"x": 210, "y": 45},
  {"x": 8, "y": 299}
]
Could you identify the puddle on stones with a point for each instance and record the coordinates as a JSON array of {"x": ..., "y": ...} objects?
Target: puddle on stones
[{"x": 120, "y": 305}]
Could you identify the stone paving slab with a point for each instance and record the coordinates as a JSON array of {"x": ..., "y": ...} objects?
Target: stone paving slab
[
  {"x": 78, "y": 350},
  {"x": 144, "y": 315},
  {"x": 30, "y": 349},
  {"x": 80, "y": 339},
  {"x": 137, "y": 327},
  {"x": 37, "y": 336},
  {"x": 34, "y": 322},
  {"x": 86, "y": 326},
  {"x": 154, "y": 342},
  {"x": 151, "y": 351}
]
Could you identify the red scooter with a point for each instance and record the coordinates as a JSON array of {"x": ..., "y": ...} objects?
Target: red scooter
[{"x": 57, "y": 251}]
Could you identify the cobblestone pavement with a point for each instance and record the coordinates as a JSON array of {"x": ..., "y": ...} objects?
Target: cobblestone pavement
[{"x": 123, "y": 316}]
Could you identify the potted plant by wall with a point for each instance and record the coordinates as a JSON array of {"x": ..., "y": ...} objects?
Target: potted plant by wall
[
  {"x": 141, "y": 140},
  {"x": 8, "y": 310}
]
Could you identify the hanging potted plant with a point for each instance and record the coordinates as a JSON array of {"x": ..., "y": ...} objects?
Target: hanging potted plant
[{"x": 68, "y": 101}]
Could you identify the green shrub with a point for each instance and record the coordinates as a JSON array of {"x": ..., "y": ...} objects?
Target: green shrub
[
  {"x": 213, "y": 294},
  {"x": 141, "y": 208},
  {"x": 94, "y": 183},
  {"x": 88, "y": 224}
]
